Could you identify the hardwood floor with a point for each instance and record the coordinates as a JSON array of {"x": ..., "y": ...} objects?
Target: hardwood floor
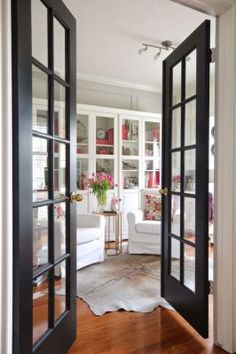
[{"x": 160, "y": 332}]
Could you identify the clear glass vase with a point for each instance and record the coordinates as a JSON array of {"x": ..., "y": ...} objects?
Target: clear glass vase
[{"x": 101, "y": 200}]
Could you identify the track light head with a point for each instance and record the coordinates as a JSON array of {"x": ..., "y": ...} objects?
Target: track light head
[
  {"x": 156, "y": 56},
  {"x": 143, "y": 49}
]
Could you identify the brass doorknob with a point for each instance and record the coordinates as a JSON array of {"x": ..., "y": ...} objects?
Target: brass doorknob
[
  {"x": 74, "y": 197},
  {"x": 164, "y": 191}
]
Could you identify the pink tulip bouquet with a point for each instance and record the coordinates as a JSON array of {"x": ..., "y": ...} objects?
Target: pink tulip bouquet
[{"x": 99, "y": 184}]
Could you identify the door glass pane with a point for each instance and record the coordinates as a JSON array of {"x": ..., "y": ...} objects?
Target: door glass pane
[
  {"x": 130, "y": 137},
  {"x": 60, "y": 290},
  {"x": 190, "y": 123},
  {"x": 189, "y": 219},
  {"x": 175, "y": 215},
  {"x": 59, "y": 49},
  {"x": 175, "y": 258},
  {"x": 82, "y": 134},
  {"x": 176, "y": 84},
  {"x": 152, "y": 132},
  {"x": 190, "y": 171},
  {"x": 130, "y": 171},
  {"x": 40, "y": 169},
  {"x": 105, "y": 166},
  {"x": 175, "y": 179},
  {"x": 153, "y": 150},
  {"x": 40, "y": 100},
  {"x": 59, "y": 110},
  {"x": 189, "y": 267},
  {"x": 40, "y": 306},
  {"x": 59, "y": 170},
  {"x": 59, "y": 230},
  {"x": 149, "y": 165},
  {"x": 191, "y": 74},
  {"x": 40, "y": 236},
  {"x": 176, "y": 128},
  {"x": 39, "y": 22},
  {"x": 104, "y": 136},
  {"x": 82, "y": 173}
]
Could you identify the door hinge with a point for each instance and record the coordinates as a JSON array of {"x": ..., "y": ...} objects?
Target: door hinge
[
  {"x": 210, "y": 287},
  {"x": 212, "y": 55}
]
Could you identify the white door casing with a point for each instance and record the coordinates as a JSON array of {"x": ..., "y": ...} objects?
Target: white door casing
[{"x": 5, "y": 179}]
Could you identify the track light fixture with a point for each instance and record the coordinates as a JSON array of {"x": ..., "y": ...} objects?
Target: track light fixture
[{"x": 165, "y": 45}]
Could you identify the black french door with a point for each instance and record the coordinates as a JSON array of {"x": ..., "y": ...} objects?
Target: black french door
[
  {"x": 44, "y": 163},
  {"x": 185, "y": 178}
]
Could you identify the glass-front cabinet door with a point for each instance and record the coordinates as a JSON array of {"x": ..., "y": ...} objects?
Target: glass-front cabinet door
[
  {"x": 106, "y": 144},
  {"x": 129, "y": 152},
  {"x": 151, "y": 154},
  {"x": 130, "y": 137},
  {"x": 82, "y": 150},
  {"x": 105, "y": 135}
]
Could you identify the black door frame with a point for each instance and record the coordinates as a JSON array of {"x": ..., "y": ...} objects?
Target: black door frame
[
  {"x": 185, "y": 301},
  {"x": 22, "y": 179}
]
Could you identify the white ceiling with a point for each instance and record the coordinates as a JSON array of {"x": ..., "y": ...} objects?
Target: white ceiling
[{"x": 110, "y": 32}]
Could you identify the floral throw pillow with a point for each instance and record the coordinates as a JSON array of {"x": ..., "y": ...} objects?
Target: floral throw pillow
[{"x": 153, "y": 207}]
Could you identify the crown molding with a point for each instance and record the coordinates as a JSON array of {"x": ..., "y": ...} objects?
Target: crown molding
[{"x": 100, "y": 79}]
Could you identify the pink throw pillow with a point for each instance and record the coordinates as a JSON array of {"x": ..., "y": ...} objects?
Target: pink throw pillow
[{"x": 153, "y": 207}]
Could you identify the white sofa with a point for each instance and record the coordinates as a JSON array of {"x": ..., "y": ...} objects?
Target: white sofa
[
  {"x": 90, "y": 239},
  {"x": 145, "y": 235}
]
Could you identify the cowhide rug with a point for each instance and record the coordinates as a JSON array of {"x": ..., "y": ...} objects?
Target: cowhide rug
[{"x": 129, "y": 282}]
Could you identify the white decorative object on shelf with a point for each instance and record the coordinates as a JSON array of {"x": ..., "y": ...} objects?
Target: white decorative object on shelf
[{"x": 114, "y": 203}]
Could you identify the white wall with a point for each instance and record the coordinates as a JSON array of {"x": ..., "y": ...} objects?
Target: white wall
[
  {"x": 225, "y": 174},
  {"x": 114, "y": 96},
  {"x": 5, "y": 180}
]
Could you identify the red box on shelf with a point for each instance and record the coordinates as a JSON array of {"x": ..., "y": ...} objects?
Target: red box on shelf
[
  {"x": 102, "y": 141},
  {"x": 110, "y": 135},
  {"x": 124, "y": 132}
]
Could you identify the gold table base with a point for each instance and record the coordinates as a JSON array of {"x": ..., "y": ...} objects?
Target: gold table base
[{"x": 113, "y": 247}]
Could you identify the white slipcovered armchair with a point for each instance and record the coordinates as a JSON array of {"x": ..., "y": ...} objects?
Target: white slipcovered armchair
[
  {"x": 145, "y": 235},
  {"x": 90, "y": 239}
]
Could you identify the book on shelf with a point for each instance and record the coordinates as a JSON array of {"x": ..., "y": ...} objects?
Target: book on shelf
[{"x": 110, "y": 136}]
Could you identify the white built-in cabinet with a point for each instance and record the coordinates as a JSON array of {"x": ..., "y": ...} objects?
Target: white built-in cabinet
[{"x": 122, "y": 143}]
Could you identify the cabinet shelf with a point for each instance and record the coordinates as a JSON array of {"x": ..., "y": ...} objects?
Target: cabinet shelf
[
  {"x": 130, "y": 157},
  {"x": 104, "y": 145},
  {"x": 157, "y": 169},
  {"x": 130, "y": 170},
  {"x": 105, "y": 156},
  {"x": 152, "y": 142},
  {"x": 83, "y": 156}
]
